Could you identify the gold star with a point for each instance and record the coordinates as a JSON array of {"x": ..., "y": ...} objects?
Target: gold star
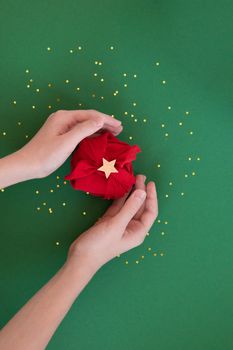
[{"x": 108, "y": 167}]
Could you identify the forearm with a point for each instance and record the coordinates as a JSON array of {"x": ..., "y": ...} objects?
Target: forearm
[
  {"x": 15, "y": 168},
  {"x": 33, "y": 326}
]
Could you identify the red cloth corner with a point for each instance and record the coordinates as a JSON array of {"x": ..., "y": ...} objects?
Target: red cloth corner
[{"x": 88, "y": 157}]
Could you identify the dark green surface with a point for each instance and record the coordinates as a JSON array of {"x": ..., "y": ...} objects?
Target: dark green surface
[{"x": 183, "y": 299}]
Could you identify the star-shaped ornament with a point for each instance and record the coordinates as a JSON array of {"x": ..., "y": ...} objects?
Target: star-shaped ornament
[{"x": 108, "y": 167}]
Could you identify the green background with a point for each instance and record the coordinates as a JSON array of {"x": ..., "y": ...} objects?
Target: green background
[{"x": 176, "y": 290}]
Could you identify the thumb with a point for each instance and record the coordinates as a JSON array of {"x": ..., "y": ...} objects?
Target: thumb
[
  {"x": 84, "y": 129},
  {"x": 130, "y": 208}
]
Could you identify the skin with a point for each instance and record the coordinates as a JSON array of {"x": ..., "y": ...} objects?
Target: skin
[{"x": 123, "y": 226}]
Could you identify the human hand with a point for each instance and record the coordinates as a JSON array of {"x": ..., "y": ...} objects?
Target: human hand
[
  {"x": 123, "y": 227},
  {"x": 59, "y": 136}
]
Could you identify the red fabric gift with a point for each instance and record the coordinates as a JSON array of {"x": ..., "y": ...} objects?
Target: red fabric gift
[{"x": 89, "y": 157}]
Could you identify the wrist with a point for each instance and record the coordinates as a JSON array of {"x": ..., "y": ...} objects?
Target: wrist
[
  {"x": 15, "y": 168},
  {"x": 76, "y": 265}
]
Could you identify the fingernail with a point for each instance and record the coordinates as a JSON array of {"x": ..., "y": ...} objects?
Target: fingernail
[
  {"x": 140, "y": 194},
  {"x": 144, "y": 178}
]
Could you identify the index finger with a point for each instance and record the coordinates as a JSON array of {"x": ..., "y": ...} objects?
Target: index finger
[
  {"x": 151, "y": 207},
  {"x": 82, "y": 115}
]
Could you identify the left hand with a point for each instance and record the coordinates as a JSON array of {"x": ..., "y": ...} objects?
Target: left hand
[{"x": 59, "y": 136}]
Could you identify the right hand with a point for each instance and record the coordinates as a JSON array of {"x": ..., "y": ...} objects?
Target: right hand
[{"x": 123, "y": 227}]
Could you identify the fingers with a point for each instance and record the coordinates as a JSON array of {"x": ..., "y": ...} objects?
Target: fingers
[
  {"x": 140, "y": 184},
  {"x": 117, "y": 204},
  {"x": 82, "y": 130},
  {"x": 151, "y": 207},
  {"x": 130, "y": 208},
  {"x": 136, "y": 231},
  {"x": 109, "y": 123}
]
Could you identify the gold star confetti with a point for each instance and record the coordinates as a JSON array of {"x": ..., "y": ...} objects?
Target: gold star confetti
[{"x": 108, "y": 167}]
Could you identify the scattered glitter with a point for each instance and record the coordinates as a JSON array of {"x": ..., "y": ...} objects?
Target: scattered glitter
[
  {"x": 38, "y": 208},
  {"x": 198, "y": 158},
  {"x": 50, "y": 210},
  {"x": 49, "y": 85},
  {"x": 80, "y": 48},
  {"x": 126, "y": 113},
  {"x": 144, "y": 120},
  {"x": 125, "y": 85},
  {"x": 182, "y": 193},
  {"x": 51, "y": 190},
  {"x": 162, "y": 125},
  {"x": 37, "y": 192},
  {"x": 166, "y": 222},
  {"x": 65, "y": 182},
  {"x": 170, "y": 183},
  {"x": 137, "y": 262},
  {"x": 187, "y": 112},
  {"x": 4, "y": 133},
  {"x": 14, "y": 102},
  {"x": 64, "y": 204},
  {"x": 71, "y": 51},
  {"x": 180, "y": 123},
  {"x": 164, "y": 81},
  {"x": 191, "y": 132},
  {"x": 27, "y": 71},
  {"x": 48, "y": 48},
  {"x": 189, "y": 158},
  {"x": 130, "y": 137},
  {"x": 84, "y": 213},
  {"x": 126, "y": 262},
  {"x": 44, "y": 204},
  {"x": 134, "y": 104},
  {"x": 166, "y": 134},
  {"x": 125, "y": 75},
  {"x": 193, "y": 173},
  {"x": 169, "y": 107},
  {"x": 37, "y": 90},
  {"x": 111, "y": 47},
  {"x": 149, "y": 249},
  {"x": 166, "y": 195},
  {"x": 154, "y": 254},
  {"x": 2, "y": 190},
  {"x": 162, "y": 233},
  {"x": 57, "y": 243},
  {"x": 67, "y": 81},
  {"x": 135, "y": 75},
  {"x": 157, "y": 63},
  {"x": 19, "y": 123},
  {"x": 33, "y": 107},
  {"x": 186, "y": 175}
]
